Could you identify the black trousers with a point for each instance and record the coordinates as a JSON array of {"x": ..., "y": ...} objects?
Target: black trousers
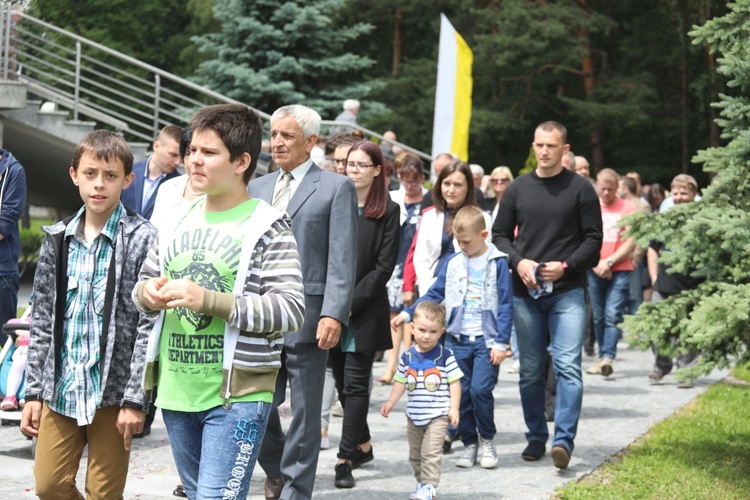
[{"x": 352, "y": 372}]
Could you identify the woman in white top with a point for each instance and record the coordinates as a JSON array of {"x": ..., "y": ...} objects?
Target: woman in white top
[{"x": 453, "y": 190}]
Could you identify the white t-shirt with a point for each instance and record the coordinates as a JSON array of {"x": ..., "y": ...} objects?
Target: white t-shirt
[{"x": 471, "y": 321}]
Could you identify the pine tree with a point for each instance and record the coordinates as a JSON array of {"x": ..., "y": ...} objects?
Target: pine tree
[
  {"x": 710, "y": 238},
  {"x": 270, "y": 53}
]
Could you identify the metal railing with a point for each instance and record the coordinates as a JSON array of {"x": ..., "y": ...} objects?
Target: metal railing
[{"x": 105, "y": 85}]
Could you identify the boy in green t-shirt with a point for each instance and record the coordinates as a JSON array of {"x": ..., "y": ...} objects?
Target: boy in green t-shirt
[{"x": 225, "y": 280}]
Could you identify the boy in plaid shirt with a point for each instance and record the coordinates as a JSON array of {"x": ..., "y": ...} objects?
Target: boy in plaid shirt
[{"x": 86, "y": 357}]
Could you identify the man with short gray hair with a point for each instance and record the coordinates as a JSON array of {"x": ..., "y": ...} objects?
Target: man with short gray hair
[
  {"x": 323, "y": 208},
  {"x": 349, "y": 115}
]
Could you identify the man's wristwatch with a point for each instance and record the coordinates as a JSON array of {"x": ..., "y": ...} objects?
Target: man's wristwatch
[{"x": 610, "y": 263}]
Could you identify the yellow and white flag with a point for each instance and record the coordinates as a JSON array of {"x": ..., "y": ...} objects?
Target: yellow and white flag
[{"x": 450, "y": 133}]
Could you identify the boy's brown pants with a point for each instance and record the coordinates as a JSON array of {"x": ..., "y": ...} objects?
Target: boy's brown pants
[
  {"x": 60, "y": 447},
  {"x": 426, "y": 449}
]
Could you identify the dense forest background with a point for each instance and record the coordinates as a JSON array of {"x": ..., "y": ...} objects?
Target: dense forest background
[{"x": 623, "y": 76}]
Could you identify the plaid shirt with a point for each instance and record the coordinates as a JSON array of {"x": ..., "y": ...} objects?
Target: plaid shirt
[{"x": 79, "y": 378}]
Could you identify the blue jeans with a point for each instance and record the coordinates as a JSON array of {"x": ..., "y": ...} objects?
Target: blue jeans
[
  {"x": 564, "y": 316},
  {"x": 8, "y": 301},
  {"x": 635, "y": 293},
  {"x": 608, "y": 299},
  {"x": 215, "y": 450},
  {"x": 477, "y": 402}
]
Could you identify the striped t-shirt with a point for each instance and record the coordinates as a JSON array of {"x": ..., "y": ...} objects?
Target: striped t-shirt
[{"x": 427, "y": 375}]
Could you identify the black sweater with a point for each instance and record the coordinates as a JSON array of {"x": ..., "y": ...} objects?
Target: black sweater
[{"x": 558, "y": 219}]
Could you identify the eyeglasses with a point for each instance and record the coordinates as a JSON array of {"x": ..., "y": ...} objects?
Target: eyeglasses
[
  {"x": 357, "y": 166},
  {"x": 503, "y": 180}
]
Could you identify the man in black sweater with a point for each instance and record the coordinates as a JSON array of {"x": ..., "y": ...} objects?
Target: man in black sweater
[{"x": 559, "y": 237}]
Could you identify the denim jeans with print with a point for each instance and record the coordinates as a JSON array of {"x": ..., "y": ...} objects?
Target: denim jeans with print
[{"x": 215, "y": 450}]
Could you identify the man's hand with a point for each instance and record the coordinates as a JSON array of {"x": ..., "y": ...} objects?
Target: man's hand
[
  {"x": 602, "y": 270},
  {"x": 408, "y": 298},
  {"x": 32, "y": 412},
  {"x": 183, "y": 293},
  {"x": 329, "y": 331},
  {"x": 525, "y": 270},
  {"x": 497, "y": 356},
  {"x": 151, "y": 294},
  {"x": 129, "y": 421},
  {"x": 397, "y": 322},
  {"x": 551, "y": 271}
]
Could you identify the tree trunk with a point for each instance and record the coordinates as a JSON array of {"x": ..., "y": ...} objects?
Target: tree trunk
[
  {"x": 397, "y": 42},
  {"x": 714, "y": 134},
  {"x": 587, "y": 66},
  {"x": 684, "y": 113}
]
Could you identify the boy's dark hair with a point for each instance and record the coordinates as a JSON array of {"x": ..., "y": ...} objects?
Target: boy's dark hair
[
  {"x": 471, "y": 219},
  {"x": 431, "y": 311},
  {"x": 104, "y": 145},
  {"x": 185, "y": 139},
  {"x": 238, "y": 127}
]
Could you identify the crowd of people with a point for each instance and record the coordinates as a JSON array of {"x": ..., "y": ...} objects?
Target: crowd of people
[{"x": 243, "y": 285}]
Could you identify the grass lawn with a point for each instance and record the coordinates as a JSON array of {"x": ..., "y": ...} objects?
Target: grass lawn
[{"x": 703, "y": 451}]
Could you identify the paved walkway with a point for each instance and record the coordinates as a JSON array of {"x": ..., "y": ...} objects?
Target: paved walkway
[{"x": 616, "y": 411}]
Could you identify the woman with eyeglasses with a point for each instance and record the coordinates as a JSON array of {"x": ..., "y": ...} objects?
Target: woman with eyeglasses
[
  {"x": 501, "y": 177},
  {"x": 369, "y": 322},
  {"x": 453, "y": 190},
  {"x": 410, "y": 172}
]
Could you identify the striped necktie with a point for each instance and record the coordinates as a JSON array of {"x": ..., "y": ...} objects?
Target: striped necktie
[{"x": 283, "y": 193}]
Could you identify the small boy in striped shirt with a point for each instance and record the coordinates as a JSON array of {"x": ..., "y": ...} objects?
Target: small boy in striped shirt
[{"x": 431, "y": 375}]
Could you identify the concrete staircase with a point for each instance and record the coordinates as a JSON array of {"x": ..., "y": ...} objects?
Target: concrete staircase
[{"x": 43, "y": 137}]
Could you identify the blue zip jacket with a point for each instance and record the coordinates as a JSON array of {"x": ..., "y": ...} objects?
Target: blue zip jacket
[
  {"x": 13, "y": 188},
  {"x": 497, "y": 296}
]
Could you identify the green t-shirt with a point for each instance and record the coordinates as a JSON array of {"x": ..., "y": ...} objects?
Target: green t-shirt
[{"x": 205, "y": 248}]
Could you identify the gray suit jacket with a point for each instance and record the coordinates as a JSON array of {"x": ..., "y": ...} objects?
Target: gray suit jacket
[{"x": 324, "y": 222}]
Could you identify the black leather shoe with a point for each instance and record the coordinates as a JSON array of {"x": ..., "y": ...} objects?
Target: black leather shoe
[
  {"x": 344, "y": 478},
  {"x": 274, "y": 485},
  {"x": 179, "y": 491},
  {"x": 534, "y": 451}
]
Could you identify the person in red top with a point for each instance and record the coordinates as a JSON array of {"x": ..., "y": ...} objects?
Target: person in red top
[{"x": 609, "y": 281}]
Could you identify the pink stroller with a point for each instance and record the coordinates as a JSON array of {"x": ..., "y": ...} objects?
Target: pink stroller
[{"x": 11, "y": 380}]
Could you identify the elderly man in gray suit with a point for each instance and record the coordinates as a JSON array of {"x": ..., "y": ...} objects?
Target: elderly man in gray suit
[{"x": 323, "y": 208}]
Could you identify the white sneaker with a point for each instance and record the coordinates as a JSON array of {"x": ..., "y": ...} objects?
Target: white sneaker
[
  {"x": 426, "y": 492},
  {"x": 514, "y": 367},
  {"x": 469, "y": 457},
  {"x": 325, "y": 443},
  {"x": 489, "y": 455},
  {"x": 413, "y": 496}
]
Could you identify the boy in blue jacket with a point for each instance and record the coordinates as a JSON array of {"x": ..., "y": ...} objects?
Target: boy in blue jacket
[{"x": 476, "y": 287}]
